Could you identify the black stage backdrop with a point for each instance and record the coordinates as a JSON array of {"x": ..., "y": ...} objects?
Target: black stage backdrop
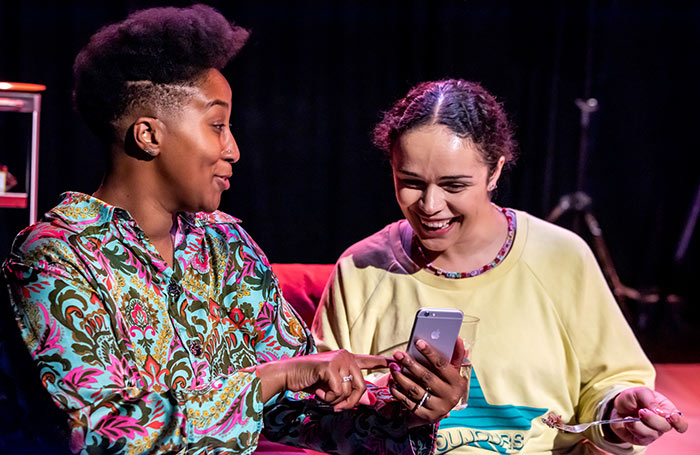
[{"x": 315, "y": 76}]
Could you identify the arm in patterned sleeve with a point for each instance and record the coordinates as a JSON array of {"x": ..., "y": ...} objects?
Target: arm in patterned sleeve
[
  {"x": 302, "y": 421},
  {"x": 86, "y": 362}
]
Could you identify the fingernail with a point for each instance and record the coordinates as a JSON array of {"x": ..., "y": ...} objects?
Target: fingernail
[
  {"x": 394, "y": 367},
  {"x": 670, "y": 415},
  {"x": 398, "y": 355},
  {"x": 644, "y": 412},
  {"x": 662, "y": 413},
  {"x": 421, "y": 344}
]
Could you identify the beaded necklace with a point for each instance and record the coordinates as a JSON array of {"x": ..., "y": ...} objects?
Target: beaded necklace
[{"x": 502, "y": 253}]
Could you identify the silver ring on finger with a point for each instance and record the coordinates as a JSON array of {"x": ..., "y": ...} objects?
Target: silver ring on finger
[
  {"x": 422, "y": 401},
  {"x": 347, "y": 378}
]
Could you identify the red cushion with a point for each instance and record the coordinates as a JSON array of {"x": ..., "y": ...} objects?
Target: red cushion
[{"x": 302, "y": 286}]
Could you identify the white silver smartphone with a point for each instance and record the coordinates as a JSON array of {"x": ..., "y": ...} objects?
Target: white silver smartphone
[{"x": 439, "y": 327}]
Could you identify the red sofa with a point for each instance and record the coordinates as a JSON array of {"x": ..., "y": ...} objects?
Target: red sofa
[{"x": 302, "y": 286}]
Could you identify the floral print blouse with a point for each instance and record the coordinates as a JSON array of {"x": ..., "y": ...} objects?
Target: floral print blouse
[{"x": 148, "y": 358}]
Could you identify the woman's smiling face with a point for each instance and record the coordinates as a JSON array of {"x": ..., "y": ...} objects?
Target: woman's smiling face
[
  {"x": 199, "y": 149},
  {"x": 441, "y": 185}
]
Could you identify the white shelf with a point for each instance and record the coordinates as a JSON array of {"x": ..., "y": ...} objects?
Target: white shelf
[{"x": 24, "y": 98}]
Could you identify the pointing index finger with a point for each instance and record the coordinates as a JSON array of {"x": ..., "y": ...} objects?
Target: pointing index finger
[{"x": 367, "y": 362}]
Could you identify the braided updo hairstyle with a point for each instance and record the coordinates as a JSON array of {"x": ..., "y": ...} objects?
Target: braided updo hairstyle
[{"x": 464, "y": 107}]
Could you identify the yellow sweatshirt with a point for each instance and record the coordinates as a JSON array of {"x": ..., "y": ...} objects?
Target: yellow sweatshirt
[{"x": 551, "y": 336}]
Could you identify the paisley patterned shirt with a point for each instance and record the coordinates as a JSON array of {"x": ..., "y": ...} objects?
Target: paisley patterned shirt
[{"x": 148, "y": 358}]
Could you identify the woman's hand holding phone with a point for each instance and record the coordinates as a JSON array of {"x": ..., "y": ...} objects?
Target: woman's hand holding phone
[{"x": 431, "y": 391}]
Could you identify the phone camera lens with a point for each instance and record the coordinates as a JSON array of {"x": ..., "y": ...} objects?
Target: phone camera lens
[{"x": 426, "y": 314}]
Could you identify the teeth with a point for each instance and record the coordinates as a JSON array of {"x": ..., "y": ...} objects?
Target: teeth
[{"x": 436, "y": 224}]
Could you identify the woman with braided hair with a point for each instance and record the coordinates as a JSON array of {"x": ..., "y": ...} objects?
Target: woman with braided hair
[{"x": 551, "y": 338}]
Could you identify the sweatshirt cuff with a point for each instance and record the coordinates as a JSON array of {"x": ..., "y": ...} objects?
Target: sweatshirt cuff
[{"x": 596, "y": 435}]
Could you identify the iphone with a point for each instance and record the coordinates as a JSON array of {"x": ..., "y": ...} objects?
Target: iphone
[{"x": 439, "y": 327}]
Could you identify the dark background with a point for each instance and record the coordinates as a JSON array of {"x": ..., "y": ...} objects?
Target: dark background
[{"x": 315, "y": 76}]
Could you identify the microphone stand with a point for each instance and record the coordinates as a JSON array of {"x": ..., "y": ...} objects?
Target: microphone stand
[
  {"x": 580, "y": 204},
  {"x": 674, "y": 299}
]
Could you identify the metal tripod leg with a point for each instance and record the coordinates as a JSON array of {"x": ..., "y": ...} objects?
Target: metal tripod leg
[
  {"x": 580, "y": 203},
  {"x": 621, "y": 292}
]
